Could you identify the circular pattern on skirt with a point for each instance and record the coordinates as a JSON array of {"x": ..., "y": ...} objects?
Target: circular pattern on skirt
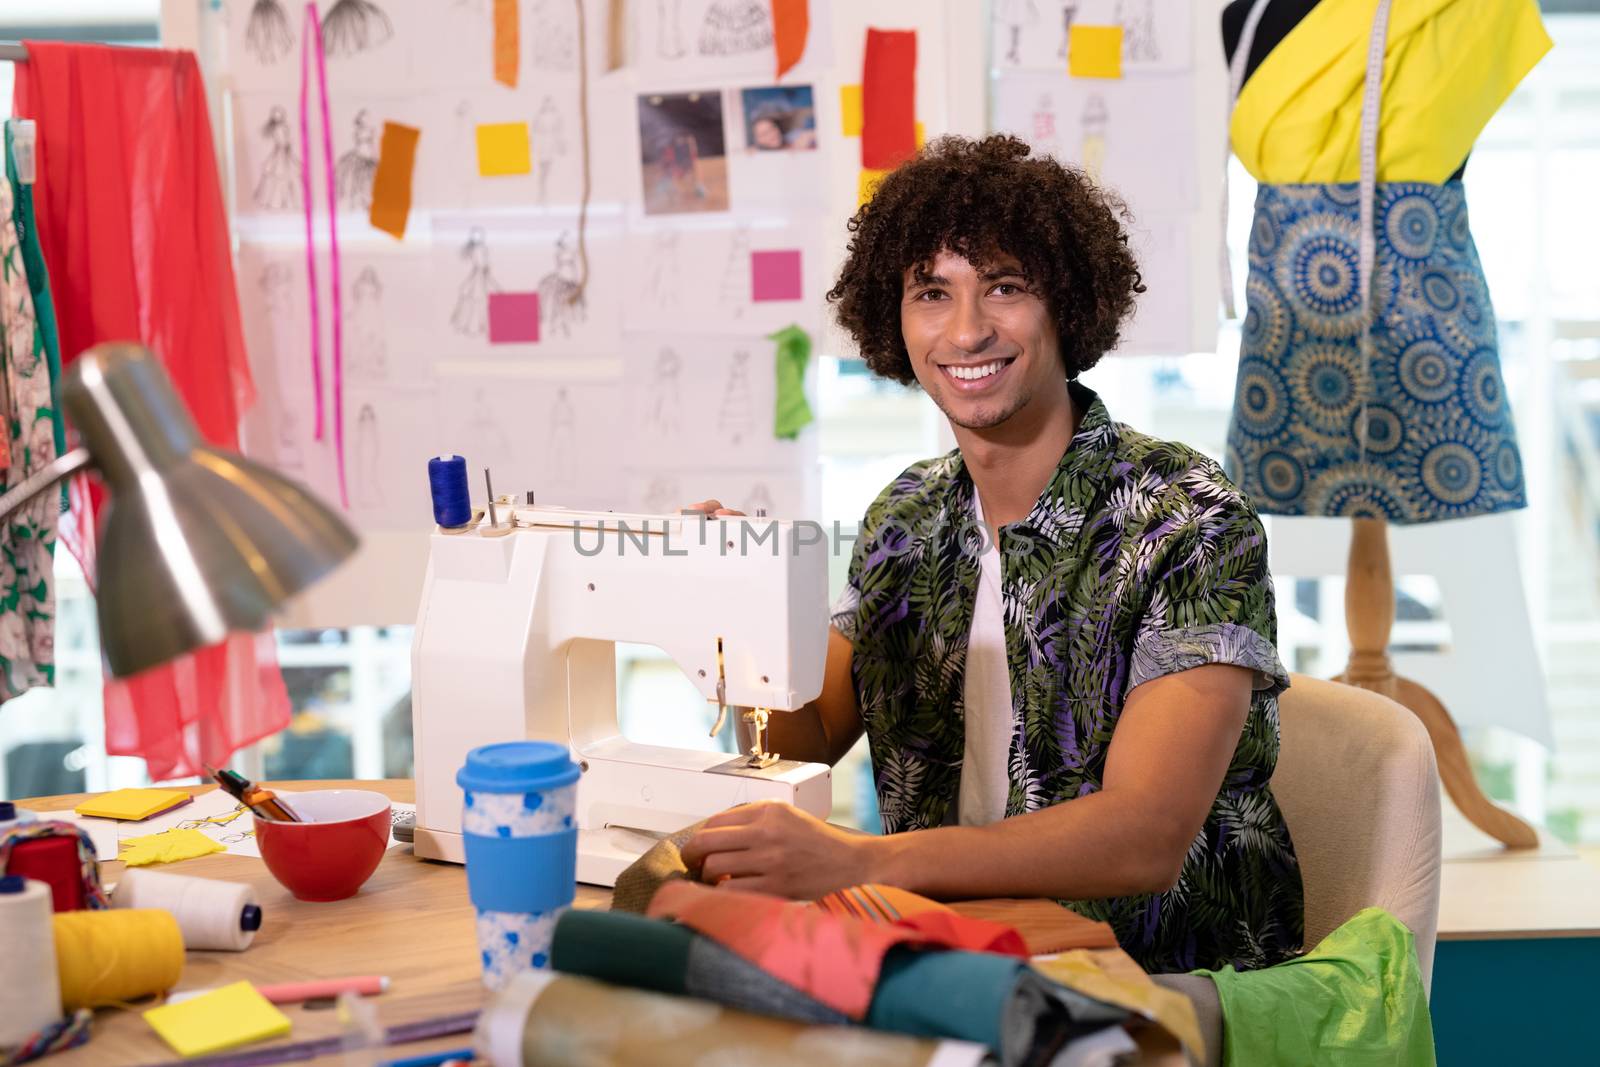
[
  {"x": 1282, "y": 476},
  {"x": 1317, "y": 264},
  {"x": 1358, "y": 491},
  {"x": 1266, "y": 320},
  {"x": 1452, "y": 472},
  {"x": 1427, "y": 371},
  {"x": 1261, "y": 403},
  {"x": 1439, "y": 290},
  {"x": 1482, "y": 392},
  {"x": 1263, "y": 235},
  {"x": 1508, "y": 466},
  {"x": 1323, "y": 386},
  {"x": 1344, "y": 194},
  {"x": 1412, "y": 226},
  {"x": 1385, "y": 431},
  {"x": 1460, "y": 229}
]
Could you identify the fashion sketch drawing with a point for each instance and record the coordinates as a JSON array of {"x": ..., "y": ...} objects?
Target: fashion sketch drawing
[
  {"x": 278, "y": 184},
  {"x": 471, "y": 314},
  {"x": 353, "y": 26},
  {"x": 268, "y": 35}
]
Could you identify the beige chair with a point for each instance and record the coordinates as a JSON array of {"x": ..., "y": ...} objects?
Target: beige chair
[{"x": 1358, "y": 786}]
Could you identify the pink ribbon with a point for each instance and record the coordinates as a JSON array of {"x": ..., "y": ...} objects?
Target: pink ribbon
[{"x": 313, "y": 38}]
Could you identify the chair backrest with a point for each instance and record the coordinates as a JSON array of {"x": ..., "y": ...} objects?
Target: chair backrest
[{"x": 1359, "y": 788}]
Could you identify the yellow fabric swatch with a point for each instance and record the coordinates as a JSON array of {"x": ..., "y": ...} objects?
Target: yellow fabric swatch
[
  {"x": 867, "y": 185},
  {"x": 1448, "y": 66},
  {"x": 1171, "y": 1010},
  {"x": 132, "y": 804},
  {"x": 850, "y": 110},
  {"x": 922, "y": 135},
  {"x": 222, "y": 1019},
  {"x": 1094, "y": 52},
  {"x": 168, "y": 847},
  {"x": 503, "y": 149}
]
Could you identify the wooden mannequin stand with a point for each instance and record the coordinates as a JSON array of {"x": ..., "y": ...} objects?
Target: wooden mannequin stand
[{"x": 1369, "y": 617}]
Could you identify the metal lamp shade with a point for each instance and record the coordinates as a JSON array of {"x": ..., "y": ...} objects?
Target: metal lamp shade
[{"x": 194, "y": 542}]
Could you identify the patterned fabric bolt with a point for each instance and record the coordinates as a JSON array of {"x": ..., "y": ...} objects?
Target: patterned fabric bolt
[
  {"x": 1440, "y": 443},
  {"x": 1138, "y": 560}
]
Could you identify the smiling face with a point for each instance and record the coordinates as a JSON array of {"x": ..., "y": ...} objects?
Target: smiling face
[{"x": 982, "y": 342}]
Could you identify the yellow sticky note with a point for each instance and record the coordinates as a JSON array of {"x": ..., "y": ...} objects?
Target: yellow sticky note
[
  {"x": 1094, "y": 52},
  {"x": 503, "y": 149},
  {"x": 922, "y": 135},
  {"x": 867, "y": 185},
  {"x": 225, "y": 1018},
  {"x": 132, "y": 804},
  {"x": 850, "y": 110},
  {"x": 168, "y": 847}
]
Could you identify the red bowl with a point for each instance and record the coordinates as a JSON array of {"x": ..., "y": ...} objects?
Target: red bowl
[{"x": 334, "y": 850}]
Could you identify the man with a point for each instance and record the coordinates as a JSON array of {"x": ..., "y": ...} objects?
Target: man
[{"x": 1083, "y": 707}]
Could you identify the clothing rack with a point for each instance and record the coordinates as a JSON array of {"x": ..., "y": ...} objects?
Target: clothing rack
[{"x": 13, "y": 52}]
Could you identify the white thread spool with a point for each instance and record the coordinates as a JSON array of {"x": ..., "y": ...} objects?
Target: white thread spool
[
  {"x": 211, "y": 914},
  {"x": 30, "y": 992}
]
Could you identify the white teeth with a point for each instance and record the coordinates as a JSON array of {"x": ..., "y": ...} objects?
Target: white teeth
[{"x": 972, "y": 374}]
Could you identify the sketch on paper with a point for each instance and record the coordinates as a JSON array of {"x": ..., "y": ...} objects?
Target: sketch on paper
[
  {"x": 278, "y": 185},
  {"x": 277, "y": 298},
  {"x": 736, "y": 418},
  {"x": 555, "y": 36},
  {"x": 734, "y": 291},
  {"x": 549, "y": 142},
  {"x": 735, "y": 26},
  {"x": 669, "y": 29},
  {"x": 359, "y": 165},
  {"x": 353, "y": 26},
  {"x": 759, "y": 500},
  {"x": 1096, "y": 121},
  {"x": 563, "y": 439},
  {"x": 486, "y": 434},
  {"x": 561, "y": 301},
  {"x": 1045, "y": 140},
  {"x": 1138, "y": 21},
  {"x": 1068, "y": 12},
  {"x": 471, "y": 314},
  {"x": 369, "y": 345},
  {"x": 1014, "y": 16},
  {"x": 369, "y": 460},
  {"x": 666, "y": 403},
  {"x": 662, "y": 496},
  {"x": 267, "y": 35},
  {"x": 662, "y": 286}
]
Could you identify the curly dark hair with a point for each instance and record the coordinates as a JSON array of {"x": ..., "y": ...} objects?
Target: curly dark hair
[{"x": 980, "y": 200}]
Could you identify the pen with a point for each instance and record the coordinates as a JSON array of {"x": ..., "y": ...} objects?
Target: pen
[
  {"x": 264, "y": 802},
  {"x": 368, "y": 985},
  {"x": 432, "y": 1059}
]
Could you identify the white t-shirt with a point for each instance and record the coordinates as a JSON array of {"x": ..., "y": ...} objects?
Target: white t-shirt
[{"x": 990, "y": 719}]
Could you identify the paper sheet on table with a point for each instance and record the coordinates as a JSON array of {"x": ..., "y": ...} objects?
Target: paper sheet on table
[
  {"x": 215, "y": 814},
  {"x": 103, "y": 832}
]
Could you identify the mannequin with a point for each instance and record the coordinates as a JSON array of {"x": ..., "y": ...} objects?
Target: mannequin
[{"x": 1287, "y": 487}]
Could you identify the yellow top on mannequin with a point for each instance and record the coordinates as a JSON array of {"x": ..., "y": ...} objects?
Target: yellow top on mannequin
[{"x": 1448, "y": 65}]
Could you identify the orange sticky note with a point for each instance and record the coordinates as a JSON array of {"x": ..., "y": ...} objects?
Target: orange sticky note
[
  {"x": 867, "y": 185},
  {"x": 791, "y": 24},
  {"x": 850, "y": 110},
  {"x": 391, "y": 185},
  {"x": 506, "y": 49},
  {"x": 503, "y": 149},
  {"x": 1094, "y": 52}
]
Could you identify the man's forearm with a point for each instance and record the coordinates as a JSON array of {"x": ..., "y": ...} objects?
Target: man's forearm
[{"x": 1095, "y": 846}]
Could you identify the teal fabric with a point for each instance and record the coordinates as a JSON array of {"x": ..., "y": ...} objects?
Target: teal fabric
[
  {"x": 1356, "y": 1000},
  {"x": 944, "y": 994}
]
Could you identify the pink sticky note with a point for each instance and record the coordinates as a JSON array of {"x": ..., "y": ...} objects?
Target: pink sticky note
[
  {"x": 775, "y": 275},
  {"x": 513, "y": 318}
]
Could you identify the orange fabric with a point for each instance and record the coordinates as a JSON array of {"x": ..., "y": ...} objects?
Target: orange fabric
[
  {"x": 831, "y": 957},
  {"x": 791, "y": 23},
  {"x": 506, "y": 46},
  {"x": 1044, "y": 925},
  {"x": 391, "y": 185},
  {"x": 131, "y": 222}
]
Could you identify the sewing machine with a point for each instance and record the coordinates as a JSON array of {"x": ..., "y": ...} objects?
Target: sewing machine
[{"x": 515, "y": 639}]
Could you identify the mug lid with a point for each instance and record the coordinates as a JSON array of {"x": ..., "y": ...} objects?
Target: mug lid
[{"x": 516, "y": 767}]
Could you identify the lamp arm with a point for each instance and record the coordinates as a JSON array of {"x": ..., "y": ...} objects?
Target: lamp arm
[{"x": 56, "y": 470}]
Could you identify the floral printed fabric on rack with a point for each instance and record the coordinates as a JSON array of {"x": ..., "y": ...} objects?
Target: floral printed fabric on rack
[
  {"x": 1439, "y": 440},
  {"x": 27, "y": 538}
]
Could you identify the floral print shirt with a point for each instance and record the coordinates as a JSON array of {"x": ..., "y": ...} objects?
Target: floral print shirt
[{"x": 1139, "y": 560}]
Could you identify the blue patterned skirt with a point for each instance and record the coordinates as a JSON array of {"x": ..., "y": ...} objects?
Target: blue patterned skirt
[{"x": 1440, "y": 443}]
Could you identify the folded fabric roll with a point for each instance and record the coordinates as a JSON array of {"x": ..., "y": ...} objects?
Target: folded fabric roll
[{"x": 1355, "y": 998}]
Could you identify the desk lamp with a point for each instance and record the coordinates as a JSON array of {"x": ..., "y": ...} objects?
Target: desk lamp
[{"x": 195, "y": 542}]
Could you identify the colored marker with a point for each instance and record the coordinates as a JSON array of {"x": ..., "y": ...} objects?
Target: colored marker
[
  {"x": 432, "y": 1059},
  {"x": 367, "y": 985}
]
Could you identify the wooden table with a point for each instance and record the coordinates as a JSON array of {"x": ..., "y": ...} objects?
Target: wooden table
[{"x": 412, "y": 921}]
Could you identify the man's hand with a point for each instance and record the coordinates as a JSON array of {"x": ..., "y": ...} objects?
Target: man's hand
[
  {"x": 772, "y": 847},
  {"x": 712, "y": 507}
]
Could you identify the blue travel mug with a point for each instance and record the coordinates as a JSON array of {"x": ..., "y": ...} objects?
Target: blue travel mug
[{"x": 522, "y": 850}]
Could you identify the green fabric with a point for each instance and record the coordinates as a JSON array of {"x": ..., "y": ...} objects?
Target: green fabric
[
  {"x": 792, "y": 413},
  {"x": 622, "y": 948},
  {"x": 1139, "y": 560},
  {"x": 44, "y": 308},
  {"x": 1356, "y": 1000}
]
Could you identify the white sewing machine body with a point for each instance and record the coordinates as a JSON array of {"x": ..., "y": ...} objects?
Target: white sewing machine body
[{"x": 515, "y": 640}]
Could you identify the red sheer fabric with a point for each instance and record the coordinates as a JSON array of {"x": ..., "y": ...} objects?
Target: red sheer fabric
[{"x": 131, "y": 220}]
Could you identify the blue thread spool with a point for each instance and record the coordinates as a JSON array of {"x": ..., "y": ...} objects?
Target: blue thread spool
[{"x": 447, "y": 479}]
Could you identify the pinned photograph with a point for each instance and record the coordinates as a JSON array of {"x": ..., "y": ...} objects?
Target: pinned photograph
[
  {"x": 781, "y": 118},
  {"x": 683, "y": 152}
]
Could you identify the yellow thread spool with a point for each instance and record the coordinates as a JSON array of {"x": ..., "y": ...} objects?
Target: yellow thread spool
[{"x": 111, "y": 957}]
